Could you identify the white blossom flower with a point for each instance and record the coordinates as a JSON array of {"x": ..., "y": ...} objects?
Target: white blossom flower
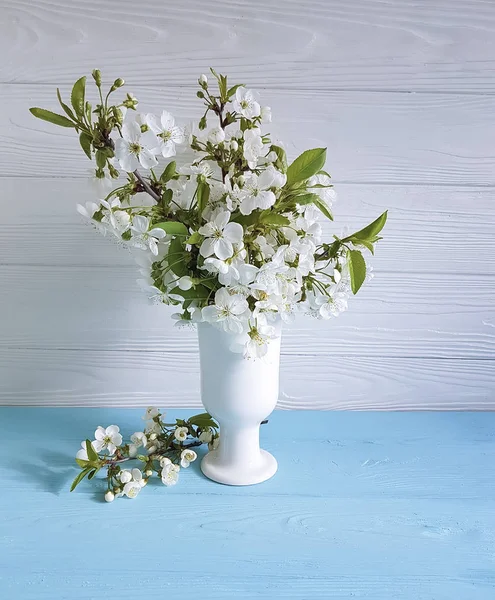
[
  {"x": 216, "y": 135},
  {"x": 135, "y": 148},
  {"x": 170, "y": 474},
  {"x": 180, "y": 433},
  {"x": 259, "y": 338},
  {"x": 187, "y": 456},
  {"x": 332, "y": 305},
  {"x": 220, "y": 235},
  {"x": 139, "y": 439},
  {"x": 152, "y": 427},
  {"x": 133, "y": 482},
  {"x": 266, "y": 114},
  {"x": 88, "y": 210},
  {"x": 257, "y": 192},
  {"x": 142, "y": 237},
  {"x": 164, "y": 460},
  {"x": 205, "y": 437},
  {"x": 150, "y": 413},
  {"x": 167, "y": 132},
  {"x": 228, "y": 312},
  {"x": 213, "y": 445},
  {"x": 125, "y": 476},
  {"x": 156, "y": 295},
  {"x": 108, "y": 438},
  {"x": 245, "y": 103},
  {"x": 327, "y": 194},
  {"x": 253, "y": 146}
]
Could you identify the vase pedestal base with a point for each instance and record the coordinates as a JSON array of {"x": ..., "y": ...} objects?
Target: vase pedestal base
[{"x": 230, "y": 474}]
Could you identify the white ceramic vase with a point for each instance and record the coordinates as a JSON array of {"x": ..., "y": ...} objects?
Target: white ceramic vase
[{"x": 239, "y": 393}]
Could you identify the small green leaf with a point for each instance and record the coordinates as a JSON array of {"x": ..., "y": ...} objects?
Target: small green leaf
[
  {"x": 195, "y": 238},
  {"x": 101, "y": 159},
  {"x": 169, "y": 171},
  {"x": 231, "y": 91},
  {"x": 166, "y": 198},
  {"x": 79, "y": 478},
  {"x": 67, "y": 110},
  {"x": 357, "y": 269},
  {"x": 176, "y": 258},
  {"x": 202, "y": 196},
  {"x": 306, "y": 165},
  {"x": 365, "y": 243},
  {"x": 91, "y": 452},
  {"x": 305, "y": 198},
  {"x": 51, "y": 117},
  {"x": 204, "y": 420},
  {"x": 199, "y": 292},
  {"x": 281, "y": 162},
  {"x": 93, "y": 473},
  {"x": 82, "y": 463},
  {"x": 247, "y": 220},
  {"x": 272, "y": 218},
  {"x": 85, "y": 140},
  {"x": 323, "y": 207},
  {"x": 77, "y": 96},
  {"x": 371, "y": 230},
  {"x": 172, "y": 227}
]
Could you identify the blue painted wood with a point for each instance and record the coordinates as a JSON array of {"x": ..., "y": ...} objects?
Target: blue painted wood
[{"x": 365, "y": 505}]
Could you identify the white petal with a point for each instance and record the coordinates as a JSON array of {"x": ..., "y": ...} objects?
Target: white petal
[
  {"x": 210, "y": 314},
  {"x": 233, "y": 232},
  {"x": 167, "y": 120},
  {"x": 223, "y": 248},
  {"x": 208, "y": 247},
  {"x": 140, "y": 223},
  {"x": 131, "y": 132},
  {"x": 147, "y": 159},
  {"x": 222, "y": 219}
]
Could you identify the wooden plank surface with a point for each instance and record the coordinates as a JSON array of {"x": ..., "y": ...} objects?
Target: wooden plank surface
[
  {"x": 370, "y": 505},
  {"x": 431, "y": 45},
  {"x": 371, "y": 138},
  {"x": 309, "y": 380}
]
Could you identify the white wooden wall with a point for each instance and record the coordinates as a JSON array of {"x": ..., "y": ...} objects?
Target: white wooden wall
[{"x": 403, "y": 94}]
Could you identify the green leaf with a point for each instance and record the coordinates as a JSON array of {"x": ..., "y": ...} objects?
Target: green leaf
[
  {"x": 247, "y": 220},
  {"x": 231, "y": 91},
  {"x": 82, "y": 463},
  {"x": 357, "y": 269},
  {"x": 365, "y": 243},
  {"x": 93, "y": 473},
  {"x": 202, "y": 196},
  {"x": 273, "y": 218},
  {"x": 85, "y": 140},
  {"x": 51, "y": 117},
  {"x": 67, "y": 110},
  {"x": 204, "y": 420},
  {"x": 176, "y": 258},
  {"x": 371, "y": 230},
  {"x": 93, "y": 457},
  {"x": 101, "y": 159},
  {"x": 195, "y": 238},
  {"x": 169, "y": 171},
  {"x": 281, "y": 162},
  {"x": 305, "y": 198},
  {"x": 166, "y": 198},
  {"x": 172, "y": 227},
  {"x": 199, "y": 292},
  {"x": 306, "y": 165},
  {"x": 77, "y": 96},
  {"x": 79, "y": 478},
  {"x": 323, "y": 207}
]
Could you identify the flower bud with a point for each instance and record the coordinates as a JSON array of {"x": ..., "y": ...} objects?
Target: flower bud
[
  {"x": 118, "y": 83},
  {"x": 151, "y": 449},
  {"x": 148, "y": 473},
  {"x": 241, "y": 180},
  {"x": 203, "y": 80},
  {"x": 153, "y": 436},
  {"x": 234, "y": 146},
  {"x": 109, "y": 496},
  {"x": 97, "y": 77},
  {"x": 185, "y": 283}
]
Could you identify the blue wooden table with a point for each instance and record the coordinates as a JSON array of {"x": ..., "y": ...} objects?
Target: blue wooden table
[{"x": 365, "y": 505}]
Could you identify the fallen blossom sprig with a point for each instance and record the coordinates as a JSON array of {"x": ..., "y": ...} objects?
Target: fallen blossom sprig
[
  {"x": 161, "y": 449},
  {"x": 233, "y": 236}
]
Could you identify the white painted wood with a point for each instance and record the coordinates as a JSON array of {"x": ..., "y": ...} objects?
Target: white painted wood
[
  {"x": 311, "y": 380},
  {"x": 430, "y": 228},
  {"x": 430, "y": 45},
  {"x": 371, "y": 138},
  {"x": 74, "y": 328}
]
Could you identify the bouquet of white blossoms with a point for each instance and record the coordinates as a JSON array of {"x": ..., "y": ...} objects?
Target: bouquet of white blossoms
[{"x": 231, "y": 237}]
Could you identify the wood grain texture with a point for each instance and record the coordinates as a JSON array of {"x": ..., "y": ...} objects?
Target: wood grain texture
[
  {"x": 430, "y": 229},
  {"x": 372, "y": 138},
  {"x": 437, "y": 45},
  {"x": 74, "y": 308},
  {"x": 310, "y": 380},
  {"x": 370, "y": 505}
]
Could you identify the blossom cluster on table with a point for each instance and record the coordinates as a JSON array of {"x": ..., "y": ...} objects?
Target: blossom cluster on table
[
  {"x": 232, "y": 236},
  {"x": 162, "y": 449}
]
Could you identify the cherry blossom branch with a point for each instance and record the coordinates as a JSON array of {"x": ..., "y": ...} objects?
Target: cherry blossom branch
[{"x": 146, "y": 186}]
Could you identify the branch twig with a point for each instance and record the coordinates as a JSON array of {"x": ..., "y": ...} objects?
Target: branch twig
[{"x": 146, "y": 186}]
